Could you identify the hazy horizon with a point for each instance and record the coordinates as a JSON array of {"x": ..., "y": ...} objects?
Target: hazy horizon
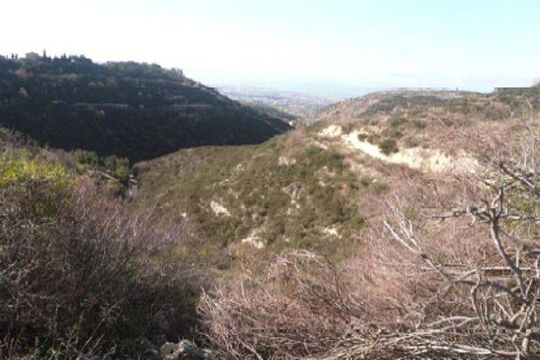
[{"x": 296, "y": 45}]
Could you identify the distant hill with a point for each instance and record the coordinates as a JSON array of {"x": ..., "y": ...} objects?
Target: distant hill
[{"x": 132, "y": 110}]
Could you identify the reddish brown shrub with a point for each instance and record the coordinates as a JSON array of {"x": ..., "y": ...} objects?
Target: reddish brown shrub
[
  {"x": 300, "y": 307},
  {"x": 79, "y": 280}
]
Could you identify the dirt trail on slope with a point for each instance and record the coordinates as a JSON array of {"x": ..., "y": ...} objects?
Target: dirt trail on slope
[{"x": 432, "y": 160}]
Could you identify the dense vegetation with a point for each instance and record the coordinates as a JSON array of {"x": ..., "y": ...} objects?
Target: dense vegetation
[
  {"x": 275, "y": 194},
  {"x": 130, "y": 110}
]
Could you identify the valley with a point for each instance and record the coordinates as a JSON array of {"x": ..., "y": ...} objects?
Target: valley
[
  {"x": 269, "y": 180},
  {"x": 147, "y": 208},
  {"x": 314, "y": 187}
]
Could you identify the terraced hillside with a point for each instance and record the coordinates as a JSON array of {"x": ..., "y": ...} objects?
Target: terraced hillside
[{"x": 132, "y": 110}]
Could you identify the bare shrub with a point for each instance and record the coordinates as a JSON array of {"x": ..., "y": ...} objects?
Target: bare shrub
[
  {"x": 460, "y": 279},
  {"x": 79, "y": 280},
  {"x": 300, "y": 307}
]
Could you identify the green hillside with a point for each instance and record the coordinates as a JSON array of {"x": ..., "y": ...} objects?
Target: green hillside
[{"x": 281, "y": 193}]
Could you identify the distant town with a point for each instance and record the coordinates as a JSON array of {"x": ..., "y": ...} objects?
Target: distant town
[{"x": 295, "y": 103}]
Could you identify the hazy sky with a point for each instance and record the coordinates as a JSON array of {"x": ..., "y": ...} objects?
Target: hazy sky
[{"x": 469, "y": 44}]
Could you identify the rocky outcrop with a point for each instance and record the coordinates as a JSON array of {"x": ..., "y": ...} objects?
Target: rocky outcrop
[{"x": 185, "y": 350}]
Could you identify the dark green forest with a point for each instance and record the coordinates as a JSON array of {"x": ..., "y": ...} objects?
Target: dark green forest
[{"x": 131, "y": 110}]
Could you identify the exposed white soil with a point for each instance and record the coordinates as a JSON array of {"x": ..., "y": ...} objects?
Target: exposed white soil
[
  {"x": 331, "y": 131},
  {"x": 331, "y": 231},
  {"x": 254, "y": 239},
  {"x": 415, "y": 158},
  {"x": 295, "y": 192},
  {"x": 286, "y": 161},
  {"x": 321, "y": 145},
  {"x": 219, "y": 209}
]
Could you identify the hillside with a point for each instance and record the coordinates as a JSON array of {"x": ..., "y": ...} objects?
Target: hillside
[
  {"x": 287, "y": 192},
  {"x": 315, "y": 187},
  {"x": 131, "y": 110}
]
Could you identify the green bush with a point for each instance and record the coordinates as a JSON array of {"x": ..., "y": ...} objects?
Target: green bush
[
  {"x": 118, "y": 167},
  {"x": 362, "y": 137},
  {"x": 388, "y": 146},
  {"x": 19, "y": 169},
  {"x": 373, "y": 138},
  {"x": 85, "y": 157},
  {"x": 366, "y": 180},
  {"x": 25, "y": 174},
  {"x": 418, "y": 124},
  {"x": 397, "y": 121}
]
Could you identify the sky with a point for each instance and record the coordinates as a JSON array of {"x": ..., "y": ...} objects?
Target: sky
[{"x": 465, "y": 44}]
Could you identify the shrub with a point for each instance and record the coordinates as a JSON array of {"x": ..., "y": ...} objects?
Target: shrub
[
  {"x": 25, "y": 174},
  {"x": 392, "y": 133},
  {"x": 418, "y": 124},
  {"x": 76, "y": 277},
  {"x": 372, "y": 138},
  {"x": 366, "y": 180},
  {"x": 388, "y": 146},
  {"x": 85, "y": 157},
  {"x": 397, "y": 121},
  {"x": 16, "y": 169},
  {"x": 362, "y": 136},
  {"x": 412, "y": 142},
  {"x": 298, "y": 309},
  {"x": 118, "y": 167}
]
